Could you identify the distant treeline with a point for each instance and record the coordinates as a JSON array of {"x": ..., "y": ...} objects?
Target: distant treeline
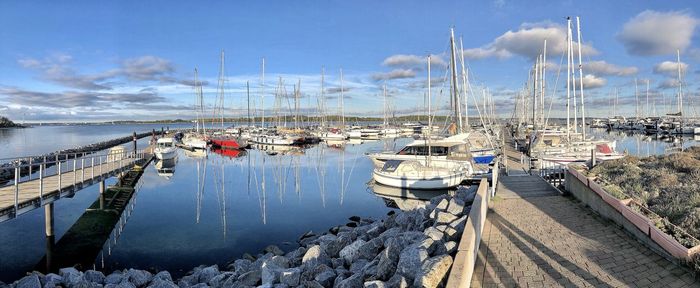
[{"x": 7, "y": 123}]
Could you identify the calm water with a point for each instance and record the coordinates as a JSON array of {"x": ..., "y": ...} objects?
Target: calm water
[{"x": 212, "y": 210}]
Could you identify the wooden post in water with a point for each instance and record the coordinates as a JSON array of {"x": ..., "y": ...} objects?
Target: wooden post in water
[
  {"x": 134, "y": 142},
  {"x": 48, "y": 219}
]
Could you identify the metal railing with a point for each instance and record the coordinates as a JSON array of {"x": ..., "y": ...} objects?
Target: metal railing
[
  {"x": 84, "y": 168},
  {"x": 552, "y": 172}
]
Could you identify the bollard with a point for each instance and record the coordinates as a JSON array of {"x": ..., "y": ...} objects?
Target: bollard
[
  {"x": 16, "y": 189},
  {"x": 41, "y": 183},
  {"x": 59, "y": 178},
  {"x": 593, "y": 160}
]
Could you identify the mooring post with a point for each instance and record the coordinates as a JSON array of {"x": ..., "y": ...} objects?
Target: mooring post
[
  {"x": 30, "y": 168},
  {"x": 41, "y": 183},
  {"x": 135, "y": 142},
  {"x": 59, "y": 178},
  {"x": 48, "y": 219},
  {"x": 102, "y": 194},
  {"x": 593, "y": 158},
  {"x": 16, "y": 189}
]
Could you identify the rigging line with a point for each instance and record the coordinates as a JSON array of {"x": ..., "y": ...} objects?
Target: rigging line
[{"x": 554, "y": 93}]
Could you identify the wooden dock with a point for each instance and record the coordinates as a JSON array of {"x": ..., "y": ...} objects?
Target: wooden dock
[{"x": 21, "y": 196}]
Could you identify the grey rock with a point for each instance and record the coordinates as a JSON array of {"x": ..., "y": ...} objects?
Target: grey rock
[
  {"x": 123, "y": 284},
  {"x": 433, "y": 271},
  {"x": 274, "y": 250},
  {"x": 442, "y": 205},
  {"x": 450, "y": 247},
  {"x": 351, "y": 282},
  {"x": 280, "y": 261},
  {"x": 326, "y": 277},
  {"x": 451, "y": 234},
  {"x": 199, "y": 285},
  {"x": 351, "y": 252},
  {"x": 164, "y": 275},
  {"x": 248, "y": 257},
  {"x": 315, "y": 256},
  {"x": 94, "y": 276},
  {"x": 458, "y": 224},
  {"x": 337, "y": 263},
  {"x": 250, "y": 278},
  {"x": 290, "y": 276},
  {"x": 188, "y": 280},
  {"x": 434, "y": 233},
  {"x": 332, "y": 248},
  {"x": 370, "y": 249},
  {"x": 51, "y": 280},
  {"x": 370, "y": 270},
  {"x": 374, "y": 284},
  {"x": 207, "y": 273},
  {"x": 429, "y": 244},
  {"x": 456, "y": 207},
  {"x": 444, "y": 217},
  {"x": 437, "y": 199},
  {"x": 29, "y": 281},
  {"x": 326, "y": 238},
  {"x": 390, "y": 233},
  {"x": 240, "y": 266},
  {"x": 375, "y": 231},
  {"x": 358, "y": 265},
  {"x": 219, "y": 280},
  {"x": 311, "y": 284},
  {"x": 388, "y": 260},
  {"x": 397, "y": 281},
  {"x": 410, "y": 261},
  {"x": 270, "y": 273},
  {"x": 257, "y": 264},
  {"x": 161, "y": 283},
  {"x": 467, "y": 195},
  {"x": 71, "y": 276},
  {"x": 138, "y": 277},
  {"x": 295, "y": 256},
  {"x": 114, "y": 278}
]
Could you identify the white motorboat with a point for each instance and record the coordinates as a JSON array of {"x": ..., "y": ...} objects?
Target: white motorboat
[
  {"x": 413, "y": 174},
  {"x": 165, "y": 148}
]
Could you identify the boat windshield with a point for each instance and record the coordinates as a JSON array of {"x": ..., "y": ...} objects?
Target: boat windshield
[{"x": 423, "y": 150}]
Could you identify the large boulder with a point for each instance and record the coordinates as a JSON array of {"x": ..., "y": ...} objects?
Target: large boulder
[
  {"x": 351, "y": 282},
  {"x": 274, "y": 250},
  {"x": 410, "y": 260},
  {"x": 290, "y": 277},
  {"x": 71, "y": 276},
  {"x": 250, "y": 278},
  {"x": 315, "y": 256},
  {"x": 94, "y": 276},
  {"x": 444, "y": 217},
  {"x": 138, "y": 277},
  {"x": 432, "y": 272},
  {"x": 456, "y": 207},
  {"x": 204, "y": 275},
  {"x": 351, "y": 252},
  {"x": 29, "y": 281},
  {"x": 370, "y": 249}
]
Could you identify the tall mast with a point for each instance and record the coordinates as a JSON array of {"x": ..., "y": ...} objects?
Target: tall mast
[
  {"x": 454, "y": 100},
  {"x": 534, "y": 95},
  {"x": 464, "y": 86},
  {"x": 247, "y": 89},
  {"x": 385, "y": 104},
  {"x": 342, "y": 100},
  {"x": 262, "y": 94},
  {"x": 221, "y": 88},
  {"x": 544, "y": 69},
  {"x": 580, "y": 78},
  {"x": 680, "y": 83},
  {"x": 323, "y": 99},
  {"x": 636, "y": 100},
  {"x": 430, "y": 119},
  {"x": 196, "y": 100},
  {"x": 648, "y": 112},
  {"x": 568, "y": 79}
]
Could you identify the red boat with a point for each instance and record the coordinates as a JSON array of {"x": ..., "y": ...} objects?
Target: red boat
[
  {"x": 226, "y": 142},
  {"x": 230, "y": 153}
]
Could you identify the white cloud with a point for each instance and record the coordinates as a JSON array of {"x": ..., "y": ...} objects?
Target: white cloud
[
  {"x": 528, "y": 42},
  {"x": 395, "y": 74},
  {"x": 670, "y": 68},
  {"x": 590, "y": 81},
  {"x": 657, "y": 33},
  {"x": 414, "y": 61},
  {"x": 604, "y": 68}
]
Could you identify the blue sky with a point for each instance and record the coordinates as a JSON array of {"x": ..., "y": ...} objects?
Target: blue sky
[{"x": 98, "y": 61}]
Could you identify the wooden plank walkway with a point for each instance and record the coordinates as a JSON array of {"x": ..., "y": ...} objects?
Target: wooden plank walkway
[
  {"x": 534, "y": 237},
  {"x": 28, "y": 194}
]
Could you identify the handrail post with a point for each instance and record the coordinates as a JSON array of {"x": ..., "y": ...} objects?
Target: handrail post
[
  {"x": 16, "y": 189},
  {"x": 41, "y": 183},
  {"x": 75, "y": 176},
  {"x": 100, "y": 166},
  {"x": 59, "y": 178},
  {"x": 82, "y": 169},
  {"x": 92, "y": 167},
  {"x": 30, "y": 168}
]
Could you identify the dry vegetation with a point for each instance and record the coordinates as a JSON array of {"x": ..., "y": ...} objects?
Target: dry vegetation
[{"x": 668, "y": 185}]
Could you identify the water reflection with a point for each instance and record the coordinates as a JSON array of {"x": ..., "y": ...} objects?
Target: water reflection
[
  {"x": 404, "y": 199},
  {"x": 166, "y": 167}
]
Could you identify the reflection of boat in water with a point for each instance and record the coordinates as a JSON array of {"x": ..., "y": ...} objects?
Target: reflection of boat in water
[
  {"x": 279, "y": 149},
  {"x": 196, "y": 153},
  {"x": 230, "y": 153},
  {"x": 402, "y": 198},
  {"x": 166, "y": 167}
]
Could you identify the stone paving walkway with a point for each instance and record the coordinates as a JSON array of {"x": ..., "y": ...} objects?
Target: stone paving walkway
[{"x": 533, "y": 237}]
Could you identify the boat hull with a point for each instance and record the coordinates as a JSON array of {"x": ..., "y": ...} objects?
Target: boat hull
[
  {"x": 165, "y": 154},
  {"x": 420, "y": 183},
  {"x": 229, "y": 143}
]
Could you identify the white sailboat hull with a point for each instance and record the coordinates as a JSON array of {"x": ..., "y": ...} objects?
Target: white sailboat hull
[{"x": 424, "y": 183}]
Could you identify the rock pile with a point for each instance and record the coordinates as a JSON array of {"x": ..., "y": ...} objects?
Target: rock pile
[{"x": 406, "y": 249}]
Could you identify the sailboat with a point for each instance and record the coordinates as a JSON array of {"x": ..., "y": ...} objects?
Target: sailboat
[
  {"x": 197, "y": 139},
  {"x": 225, "y": 140},
  {"x": 332, "y": 133},
  {"x": 429, "y": 173}
]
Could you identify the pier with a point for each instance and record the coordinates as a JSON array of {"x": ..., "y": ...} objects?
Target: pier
[
  {"x": 27, "y": 193},
  {"x": 536, "y": 237}
]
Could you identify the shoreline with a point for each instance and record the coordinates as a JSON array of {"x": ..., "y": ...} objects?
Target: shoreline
[{"x": 403, "y": 248}]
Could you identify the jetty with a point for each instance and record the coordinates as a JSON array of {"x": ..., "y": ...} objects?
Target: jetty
[
  {"x": 64, "y": 179},
  {"x": 533, "y": 236}
]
